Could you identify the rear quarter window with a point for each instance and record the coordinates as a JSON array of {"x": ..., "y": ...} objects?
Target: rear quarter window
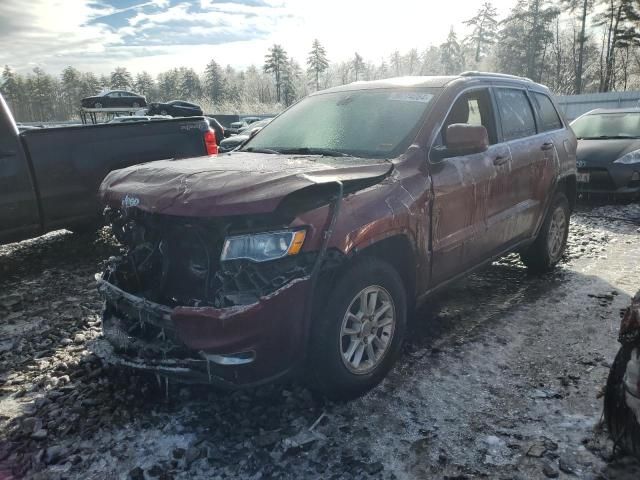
[
  {"x": 549, "y": 118},
  {"x": 516, "y": 115}
]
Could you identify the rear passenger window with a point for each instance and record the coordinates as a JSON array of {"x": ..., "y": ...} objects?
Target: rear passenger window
[
  {"x": 550, "y": 120},
  {"x": 515, "y": 113}
]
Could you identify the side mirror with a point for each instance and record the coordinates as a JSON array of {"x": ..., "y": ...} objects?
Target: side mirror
[
  {"x": 254, "y": 132},
  {"x": 464, "y": 139}
]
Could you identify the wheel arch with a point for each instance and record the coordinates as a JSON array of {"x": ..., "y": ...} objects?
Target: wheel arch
[
  {"x": 398, "y": 250},
  {"x": 569, "y": 187}
]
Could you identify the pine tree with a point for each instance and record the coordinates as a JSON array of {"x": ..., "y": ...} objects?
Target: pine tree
[
  {"x": 524, "y": 38},
  {"x": 10, "y": 87},
  {"x": 169, "y": 85},
  {"x": 121, "y": 79},
  {"x": 620, "y": 20},
  {"x": 485, "y": 27},
  {"x": 451, "y": 55},
  {"x": 275, "y": 62},
  {"x": 583, "y": 8},
  {"x": 190, "y": 87},
  {"x": 89, "y": 84},
  {"x": 144, "y": 85},
  {"x": 317, "y": 62},
  {"x": 71, "y": 89},
  {"x": 214, "y": 84},
  {"x": 291, "y": 75},
  {"x": 396, "y": 63},
  {"x": 358, "y": 65}
]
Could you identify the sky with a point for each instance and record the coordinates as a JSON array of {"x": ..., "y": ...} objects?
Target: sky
[{"x": 156, "y": 35}]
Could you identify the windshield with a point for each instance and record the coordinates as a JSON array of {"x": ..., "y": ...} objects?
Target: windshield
[
  {"x": 608, "y": 125},
  {"x": 366, "y": 123}
]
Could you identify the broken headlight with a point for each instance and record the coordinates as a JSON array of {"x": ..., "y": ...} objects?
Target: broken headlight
[{"x": 262, "y": 247}]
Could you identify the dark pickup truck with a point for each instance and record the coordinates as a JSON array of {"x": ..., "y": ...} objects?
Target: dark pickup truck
[
  {"x": 306, "y": 249},
  {"x": 49, "y": 177}
]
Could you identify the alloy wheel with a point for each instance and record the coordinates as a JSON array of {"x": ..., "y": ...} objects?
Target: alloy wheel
[
  {"x": 557, "y": 231},
  {"x": 367, "y": 330}
]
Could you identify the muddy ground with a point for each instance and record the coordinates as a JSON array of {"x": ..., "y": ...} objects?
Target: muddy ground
[{"x": 501, "y": 379}]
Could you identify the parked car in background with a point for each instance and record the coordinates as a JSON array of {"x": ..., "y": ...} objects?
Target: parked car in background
[
  {"x": 138, "y": 118},
  {"x": 250, "y": 120},
  {"x": 608, "y": 156},
  {"x": 305, "y": 250},
  {"x": 175, "y": 108},
  {"x": 49, "y": 177},
  {"x": 243, "y": 135},
  {"x": 235, "y": 127},
  {"x": 115, "y": 99}
]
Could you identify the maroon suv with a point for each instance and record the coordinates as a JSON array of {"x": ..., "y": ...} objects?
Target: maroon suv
[{"x": 307, "y": 249}]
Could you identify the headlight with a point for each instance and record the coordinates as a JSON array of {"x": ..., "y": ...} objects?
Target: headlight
[
  {"x": 262, "y": 247},
  {"x": 629, "y": 158}
]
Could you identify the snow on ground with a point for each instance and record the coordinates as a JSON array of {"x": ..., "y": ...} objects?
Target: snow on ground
[{"x": 501, "y": 378}]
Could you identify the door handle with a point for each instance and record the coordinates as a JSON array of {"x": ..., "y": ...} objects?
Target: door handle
[
  {"x": 500, "y": 160},
  {"x": 546, "y": 146}
]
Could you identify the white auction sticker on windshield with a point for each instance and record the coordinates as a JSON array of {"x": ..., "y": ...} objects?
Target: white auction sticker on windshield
[{"x": 411, "y": 97}]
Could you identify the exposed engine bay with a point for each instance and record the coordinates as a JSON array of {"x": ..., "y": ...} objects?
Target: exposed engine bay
[{"x": 175, "y": 261}]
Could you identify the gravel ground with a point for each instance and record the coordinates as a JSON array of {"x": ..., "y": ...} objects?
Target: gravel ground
[{"x": 501, "y": 378}]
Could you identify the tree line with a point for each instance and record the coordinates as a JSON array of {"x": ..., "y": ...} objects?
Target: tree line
[{"x": 572, "y": 46}]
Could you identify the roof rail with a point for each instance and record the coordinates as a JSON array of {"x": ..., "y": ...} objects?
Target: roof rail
[{"x": 474, "y": 73}]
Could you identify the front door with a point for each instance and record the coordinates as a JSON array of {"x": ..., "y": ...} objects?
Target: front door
[{"x": 462, "y": 188}]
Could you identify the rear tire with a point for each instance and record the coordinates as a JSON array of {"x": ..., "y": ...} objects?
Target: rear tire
[
  {"x": 551, "y": 241},
  {"x": 354, "y": 342}
]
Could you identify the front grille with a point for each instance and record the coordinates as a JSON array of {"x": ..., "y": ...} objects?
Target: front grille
[{"x": 133, "y": 334}]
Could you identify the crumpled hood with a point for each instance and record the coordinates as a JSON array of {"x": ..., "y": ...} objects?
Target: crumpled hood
[
  {"x": 602, "y": 152},
  {"x": 233, "y": 184}
]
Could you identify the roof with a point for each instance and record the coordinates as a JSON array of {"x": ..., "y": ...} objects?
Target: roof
[
  {"x": 397, "y": 82},
  {"x": 423, "y": 81}
]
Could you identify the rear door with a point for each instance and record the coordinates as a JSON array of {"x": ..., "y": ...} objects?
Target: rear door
[
  {"x": 514, "y": 210},
  {"x": 462, "y": 187},
  {"x": 554, "y": 132},
  {"x": 19, "y": 216}
]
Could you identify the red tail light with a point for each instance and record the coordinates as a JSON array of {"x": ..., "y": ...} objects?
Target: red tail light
[{"x": 210, "y": 142}]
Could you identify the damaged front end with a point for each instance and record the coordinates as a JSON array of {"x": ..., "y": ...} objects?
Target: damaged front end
[{"x": 188, "y": 299}]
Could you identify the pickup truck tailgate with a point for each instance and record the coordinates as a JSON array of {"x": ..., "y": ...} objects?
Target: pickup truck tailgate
[{"x": 70, "y": 163}]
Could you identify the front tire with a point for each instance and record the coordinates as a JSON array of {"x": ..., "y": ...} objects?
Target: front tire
[
  {"x": 136, "y": 105},
  {"x": 97, "y": 105},
  {"x": 357, "y": 334},
  {"x": 549, "y": 246}
]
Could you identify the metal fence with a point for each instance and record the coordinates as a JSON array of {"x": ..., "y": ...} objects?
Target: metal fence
[{"x": 575, "y": 105}]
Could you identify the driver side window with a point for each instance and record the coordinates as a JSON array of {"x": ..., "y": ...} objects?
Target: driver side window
[{"x": 472, "y": 108}]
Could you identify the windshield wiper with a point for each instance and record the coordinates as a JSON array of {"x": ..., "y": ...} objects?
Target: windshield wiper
[
  {"x": 315, "y": 151},
  {"x": 261, "y": 150}
]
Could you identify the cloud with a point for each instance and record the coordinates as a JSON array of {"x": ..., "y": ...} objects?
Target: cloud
[{"x": 160, "y": 34}]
